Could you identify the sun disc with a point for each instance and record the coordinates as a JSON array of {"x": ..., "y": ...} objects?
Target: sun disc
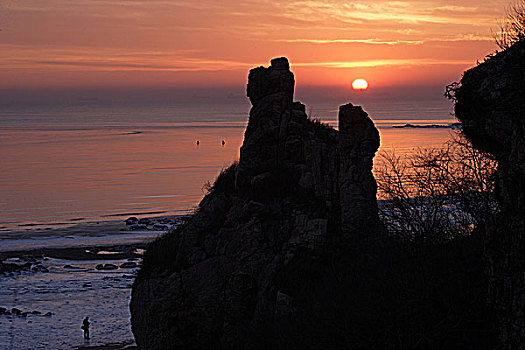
[{"x": 360, "y": 84}]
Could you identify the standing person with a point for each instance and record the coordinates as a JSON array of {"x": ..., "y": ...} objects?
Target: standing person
[{"x": 85, "y": 327}]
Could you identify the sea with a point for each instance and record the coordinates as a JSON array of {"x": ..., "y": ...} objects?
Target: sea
[
  {"x": 91, "y": 157},
  {"x": 95, "y": 159}
]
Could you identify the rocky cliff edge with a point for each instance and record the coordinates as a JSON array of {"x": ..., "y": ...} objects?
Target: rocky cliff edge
[{"x": 490, "y": 103}]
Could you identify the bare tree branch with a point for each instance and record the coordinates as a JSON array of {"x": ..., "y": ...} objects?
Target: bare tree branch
[{"x": 436, "y": 194}]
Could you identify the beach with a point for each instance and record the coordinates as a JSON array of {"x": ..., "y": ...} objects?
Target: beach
[
  {"x": 48, "y": 287},
  {"x": 48, "y": 283}
]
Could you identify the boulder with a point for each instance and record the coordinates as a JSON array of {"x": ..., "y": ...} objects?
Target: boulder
[
  {"x": 138, "y": 228},
  {"x": 9, "y": 266},
  {"x": 128, "y": 265},
  {"x": 144, "y": 221},
  {"x": 131, "y": 220},
  {"x": 39, "y": 268},
  {"x": 300, "y": 187},
  {"x": 165, "y": 221},
  {"x": 106, "y": 267}
]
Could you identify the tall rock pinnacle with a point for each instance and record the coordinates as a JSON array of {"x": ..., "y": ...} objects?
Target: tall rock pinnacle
[
  {"x": 358, "y": 142},
  {"x": 300, "y": 188}
]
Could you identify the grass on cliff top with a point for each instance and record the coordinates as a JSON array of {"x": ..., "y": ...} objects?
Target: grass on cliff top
[{"x": 163, "y": 252}]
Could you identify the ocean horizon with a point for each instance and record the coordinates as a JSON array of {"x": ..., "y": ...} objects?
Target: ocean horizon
[
  {"x": 92, "y": 158},
  {"x": 146, "y": 202}
]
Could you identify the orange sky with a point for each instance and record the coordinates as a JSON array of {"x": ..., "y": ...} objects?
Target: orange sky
[{"x": 132, "y": 43}]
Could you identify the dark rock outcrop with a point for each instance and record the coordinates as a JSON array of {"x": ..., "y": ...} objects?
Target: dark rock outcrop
[
  {"x": 359, "y": 140},
  {"x": 299, "y": 188},
  {"x": 106, "y": 267},
  {"x": 490, "y": 103},
  {"x": 128, "y": 265}
]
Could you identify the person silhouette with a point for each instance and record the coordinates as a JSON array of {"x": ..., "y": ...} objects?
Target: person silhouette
[
  {"x": 223, "y": 142},
  {"x": 85, "y": 327},
  {"x": 198, "y": 142}
]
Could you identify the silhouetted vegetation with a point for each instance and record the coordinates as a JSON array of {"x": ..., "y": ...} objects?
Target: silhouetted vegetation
[
  {"x": 450, "y": 91},
  {"x": 223, "y": 183},
  {"x": 512, "y": 27},
  {"x": 162, "y": 252},
  {"x": 389, "y": 296},
  {"x": 436, "y": 194},
  {"x": 424, "y": 287}
]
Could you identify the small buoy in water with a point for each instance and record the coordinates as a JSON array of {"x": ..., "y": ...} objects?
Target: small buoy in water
[
  {"x": 198, "y": 142},
  {"x": 223, "y": 142}
]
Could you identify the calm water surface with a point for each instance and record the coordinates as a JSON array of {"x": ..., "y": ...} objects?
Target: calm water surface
[{"x": 93, "y": 161}]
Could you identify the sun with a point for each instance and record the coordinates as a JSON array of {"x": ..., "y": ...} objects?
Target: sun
[{"x": 360, "y": 84}]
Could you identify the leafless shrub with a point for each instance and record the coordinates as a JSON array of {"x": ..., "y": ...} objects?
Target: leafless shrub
[
  {"x": 437, "y": 194},
  {"x": 223, "y": 181},
  {"x": 512, "y": 27},
  {"x": 451, "y": 90}
]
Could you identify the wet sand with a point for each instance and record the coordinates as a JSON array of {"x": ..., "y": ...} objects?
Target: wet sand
[
  {"x": 58, "y": 272},
  {"x": 110, "y": 346},
  {"x": 67, "y": 229},
  {"x": 74, "y": 241},
  {"x": 97, "y": 252},
  {"x": 91, "y": 229}
]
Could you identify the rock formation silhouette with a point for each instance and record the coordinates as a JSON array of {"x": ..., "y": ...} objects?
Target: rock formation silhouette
[
  {"x": 299, "y": 188},
  {"x": 490, "y": 103}
]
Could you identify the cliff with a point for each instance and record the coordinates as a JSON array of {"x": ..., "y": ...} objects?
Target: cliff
[
  {"x": 300, "y": 189},
  {"x": 490, "y": 103}
]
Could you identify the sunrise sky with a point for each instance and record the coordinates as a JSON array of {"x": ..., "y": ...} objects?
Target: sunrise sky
[{"x": 91, "y": 43}]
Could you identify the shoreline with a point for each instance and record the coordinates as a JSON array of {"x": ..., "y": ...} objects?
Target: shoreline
[
  {"x": 110, "y": 346},
  {"x": 78, "y": 274},
  {"x": 84, "y": 236},
  {"x": 89, "y": 228},
  {"x": 93, "y": 241},
  {"x": 84, "y": 253}
]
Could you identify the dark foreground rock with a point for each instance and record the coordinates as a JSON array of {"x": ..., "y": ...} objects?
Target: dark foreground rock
[
  {"x": 491, "y": 106},
  {"x": 299, "y": 190},
  {"x": 128, "y": 265},
  {"x": 17, "y": 312},
  {"x": 106, "y": 267}
]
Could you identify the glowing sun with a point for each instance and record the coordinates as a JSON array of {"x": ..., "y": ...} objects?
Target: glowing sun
[{"x": 360, "y": 84}]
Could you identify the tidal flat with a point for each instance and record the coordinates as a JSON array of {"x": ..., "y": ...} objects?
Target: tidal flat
[{"x": 49, "y": 283}]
